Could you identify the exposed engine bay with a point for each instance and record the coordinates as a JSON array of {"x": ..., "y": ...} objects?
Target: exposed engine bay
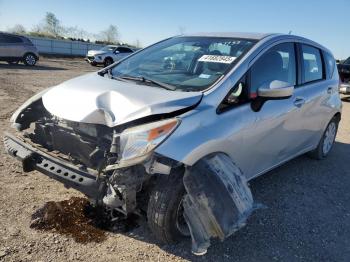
[{"x": 92, "y": 148}]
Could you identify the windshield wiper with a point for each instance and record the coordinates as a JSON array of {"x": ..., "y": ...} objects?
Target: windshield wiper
[{"x": 145, "y": 80}]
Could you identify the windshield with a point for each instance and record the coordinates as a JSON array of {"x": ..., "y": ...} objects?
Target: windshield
[
  {"x": 108, "y": 48},
  {"x": 186, "y": 63},
  {"x": 347, "y": 61}
]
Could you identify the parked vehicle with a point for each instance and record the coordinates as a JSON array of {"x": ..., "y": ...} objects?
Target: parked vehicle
[
  {"x": 344, "y": 70},
  {"x": 344, "y": 89},
  {"x": 15, "y": 49},
  {"x": 107, "y": 55},
  {"x": 177, "y": 129}
]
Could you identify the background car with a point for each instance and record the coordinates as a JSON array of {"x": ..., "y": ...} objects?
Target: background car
[
  {"x": 107, "y": 55},
  {"x": 15, "y": 48},
  {"x": 344, "y": 70}
]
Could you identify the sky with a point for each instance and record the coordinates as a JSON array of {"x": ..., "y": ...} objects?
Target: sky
[{"x": 324, "y": 21}]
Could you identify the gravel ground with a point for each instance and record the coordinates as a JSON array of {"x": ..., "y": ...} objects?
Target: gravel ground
[{"x": 307, "y": 216}]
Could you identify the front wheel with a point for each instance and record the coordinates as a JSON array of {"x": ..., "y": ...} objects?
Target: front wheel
[
  {"x": 30, "y": 59},
  {"x": 108, "y": 61},
  {"x": 327, "y": 140},
  {"x": 165, "y": 210}
]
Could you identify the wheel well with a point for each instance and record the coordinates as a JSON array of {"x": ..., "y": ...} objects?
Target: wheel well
[
  {"x": 108, "y": 57},
  {"x": 337, "y": 116}
]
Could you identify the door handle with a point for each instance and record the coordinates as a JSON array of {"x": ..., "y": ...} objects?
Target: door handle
[
  {"x": 299, "y": 102},
  {"x": 330, "y": 90}
]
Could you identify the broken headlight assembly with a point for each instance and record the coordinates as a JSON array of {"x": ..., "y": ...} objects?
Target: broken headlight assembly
[{"x": 137, "y": 142}]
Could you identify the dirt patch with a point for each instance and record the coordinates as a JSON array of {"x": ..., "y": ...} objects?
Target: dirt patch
[{"x": 74, "y": 217}]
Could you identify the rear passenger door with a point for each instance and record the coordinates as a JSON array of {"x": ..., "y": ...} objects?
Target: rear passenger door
[{"x": 314, "y": 91}]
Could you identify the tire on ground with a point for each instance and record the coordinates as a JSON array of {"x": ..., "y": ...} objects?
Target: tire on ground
[
  {"x": 163, "y": 206},
  {"x": 30, "y": 59},
  {"x": 318, "y": 153}
]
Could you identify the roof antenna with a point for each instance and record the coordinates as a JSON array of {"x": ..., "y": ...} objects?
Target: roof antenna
[{"x": 290, "y": 32}]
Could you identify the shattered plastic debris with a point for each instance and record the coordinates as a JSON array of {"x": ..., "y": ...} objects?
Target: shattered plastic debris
[{"x": 77, "y": 218}]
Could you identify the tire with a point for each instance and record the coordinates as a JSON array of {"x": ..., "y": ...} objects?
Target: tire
[
  {"x": 164, "y": 212},
  {"x": 30, "y": 59},
  {"x": 13, "y": 62},
  {"x": 327, "y": 140},
  {"x": 108, "y": 61}
]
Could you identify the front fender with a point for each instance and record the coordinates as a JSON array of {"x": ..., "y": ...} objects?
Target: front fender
[{"x": 218, "y": 200}]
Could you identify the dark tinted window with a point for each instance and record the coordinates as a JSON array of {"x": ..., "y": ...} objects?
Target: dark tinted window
[
  {"x": 124, "y": 50},
  {"x": 312, "y": 63},
  {"x": 330, "y": 64},
  {"x": 9, "y": 39},
  {"x": 278, "y": 63},
  {"x": 347, "y": 61}
]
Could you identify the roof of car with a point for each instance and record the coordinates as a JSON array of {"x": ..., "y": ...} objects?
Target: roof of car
[{"x": 255, "y": 36}]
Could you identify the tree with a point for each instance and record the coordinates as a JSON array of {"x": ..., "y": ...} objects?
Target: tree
[
  {"x": 52, "y": 25},
  {"x": 110, "y": 35},
  {"x": 75, "y": 33},
  {"x": 17, "y": 29}
]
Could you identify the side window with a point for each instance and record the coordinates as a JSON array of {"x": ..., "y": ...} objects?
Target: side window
[
  {"x": 330, "y": 64},
  {"x": 124, "y": 50},
  {"x": 238, "y": 95},
  {"x": 9, "y": 39},
  {"x": 277, "y": 64},
  {"x": 312, "y": 63}
]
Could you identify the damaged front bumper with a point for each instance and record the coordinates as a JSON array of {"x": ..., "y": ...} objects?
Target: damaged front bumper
[{"x": 34, "y": 159}]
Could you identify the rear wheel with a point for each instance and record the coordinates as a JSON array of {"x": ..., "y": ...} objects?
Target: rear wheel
[
  {"x": 165, "y": 210},
  {"x": 326, "y": 143},
  {"x": 29, "y": 59}
]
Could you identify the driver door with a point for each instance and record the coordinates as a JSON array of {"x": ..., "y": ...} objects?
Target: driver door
[{"x": 276, "y": 134}]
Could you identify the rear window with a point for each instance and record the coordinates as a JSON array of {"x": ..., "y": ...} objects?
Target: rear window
[{"x": 312, "y": 64}]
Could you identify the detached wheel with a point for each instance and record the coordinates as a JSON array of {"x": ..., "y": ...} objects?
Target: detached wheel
[
  {"x": 165, "y": 210},
  {"x": 326, "y": 143},
  {"x": 30, "y": 59},
  {"x": 108, "y": 61}
]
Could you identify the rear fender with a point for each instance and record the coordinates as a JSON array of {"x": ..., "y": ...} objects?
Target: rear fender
[{"x": 218, "y": 200}]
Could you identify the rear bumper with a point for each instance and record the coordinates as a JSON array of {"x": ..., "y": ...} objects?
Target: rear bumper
[{"x": 60, "y": 170}]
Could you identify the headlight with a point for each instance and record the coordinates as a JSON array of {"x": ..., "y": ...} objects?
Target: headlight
[{"x": 137, "y": 142}]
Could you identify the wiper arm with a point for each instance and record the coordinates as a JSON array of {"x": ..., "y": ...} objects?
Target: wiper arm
[{"x": 143, "y": 79}]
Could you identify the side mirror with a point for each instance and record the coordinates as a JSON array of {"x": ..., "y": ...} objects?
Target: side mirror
[
  {"x": 116, "y": 52},
  {"x": 276, "y": 90},
  {"x": 337, "y": 61}
]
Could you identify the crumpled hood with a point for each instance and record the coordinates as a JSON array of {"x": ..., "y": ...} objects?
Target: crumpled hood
[
  {"x": 96, "y": 52},
  {"x": 99, "y": 100}
]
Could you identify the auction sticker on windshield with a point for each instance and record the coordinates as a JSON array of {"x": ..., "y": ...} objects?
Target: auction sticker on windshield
[{"x": 217, "y": 59}]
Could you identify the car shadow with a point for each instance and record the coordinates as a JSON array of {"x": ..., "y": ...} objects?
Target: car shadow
[
  {"x": 37, "y": 67},
  {"x": 307, "y": 215}
]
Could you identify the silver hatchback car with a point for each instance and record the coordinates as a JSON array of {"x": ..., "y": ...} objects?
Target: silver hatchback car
[{"x": 177, "y": 129}]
